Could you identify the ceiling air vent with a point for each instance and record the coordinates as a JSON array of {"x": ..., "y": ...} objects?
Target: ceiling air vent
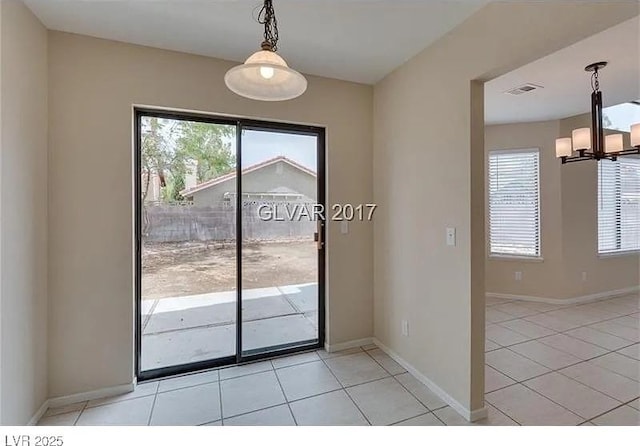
[{"x": 526, "y": 88}]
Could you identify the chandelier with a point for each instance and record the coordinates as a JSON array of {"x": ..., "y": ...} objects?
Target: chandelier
[
  {"x": 265, "y": 76},
  {"x": 591, "y": 143}
]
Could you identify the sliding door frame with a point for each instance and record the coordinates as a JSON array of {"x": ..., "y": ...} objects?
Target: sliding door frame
[{"x": 240, "y": 124}]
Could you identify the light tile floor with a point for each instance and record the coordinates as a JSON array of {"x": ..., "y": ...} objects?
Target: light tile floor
[
  {"x": 359, "y": 386},
  {"x": 564, "y": 365},
  {"x": 545, "y": 365}
]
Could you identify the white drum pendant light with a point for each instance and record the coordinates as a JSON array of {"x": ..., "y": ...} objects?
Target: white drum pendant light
[{"x": 265, "y": 76}]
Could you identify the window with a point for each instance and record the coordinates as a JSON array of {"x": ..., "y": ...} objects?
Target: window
[
  {"x": 514, "y": 203},
  {"x": 620, "y": 117},
  {"x": 619, "y": 205}
]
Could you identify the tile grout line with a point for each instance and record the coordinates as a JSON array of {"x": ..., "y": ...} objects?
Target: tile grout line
[
  {"x": 344, "y": 389},
  {"x": 307, "y": 397},
  {"x": 558, "y": 370},
  {"x": 398, "y": 381},
  {"x": 556, "y": 332},
  {"x": 561, "y": 309},
  {"x": 566, "y": 306},
  {"x": 153, "y": 405},
  {"x": 84, "y": 406},
  {"x": 286, "y": 399},
  {"x": 337, "y": 390},
  {"x": 503, "y": 413},
  {"x": 523, "y": 382},
  {"x": 608, "y": 411},
  {"x": 220, "y": 399},
  {"x": 251, "y": 412},
  {"x": 273, "y": 369},
  {"x": 589, "y": 324},
  {"x": 560, "y": 351},
  {"x": 413, "y": 417},
  {"x": 564, "y": 407}
]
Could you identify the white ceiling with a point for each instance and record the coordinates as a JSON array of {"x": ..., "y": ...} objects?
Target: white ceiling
[
  {"x": 357, "y": 40},
  {"x": 567, "y": 87}
]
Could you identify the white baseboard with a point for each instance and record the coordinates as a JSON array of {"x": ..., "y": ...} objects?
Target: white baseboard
[
  {"x": 79, "y": 398},
  {"x": 92, "y": 395},
  {"x": 478, "y": 414},
  {"x": 349, "y": 344},
  {"x": 469, "y": 415},
  {"x": 34, "y": 419},
  {"x": 569, "y": 301}
]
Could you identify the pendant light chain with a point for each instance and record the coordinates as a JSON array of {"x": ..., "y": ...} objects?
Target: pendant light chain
[
  {"x": 267, "y": 17},
  {"x": 265, "y": 75}
]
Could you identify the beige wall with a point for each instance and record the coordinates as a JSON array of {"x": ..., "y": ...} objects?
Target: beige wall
[
  {"x": 568, "y": 211},
  {"x": 539, "y": 278},
  {"x": 23, "y": 204},
  {"x": 93, "y": 85},
  {"x": 426, "y": 177}
]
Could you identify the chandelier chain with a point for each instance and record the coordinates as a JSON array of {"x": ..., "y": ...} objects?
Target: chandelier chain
[
  {"x": 595, "y": 81},
  {"x": 267, "y": 17}
]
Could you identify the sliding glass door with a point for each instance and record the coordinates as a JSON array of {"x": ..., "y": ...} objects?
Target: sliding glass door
[
  {"x": 187, "y": 243},
  {"x": 228, "y": 228},
  {"x": 280, "y": 269}
]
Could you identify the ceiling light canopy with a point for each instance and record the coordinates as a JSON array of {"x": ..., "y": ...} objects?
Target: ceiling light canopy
[
  {"x": 590, "y": 143},
  {"x": 265, "y": 76}
]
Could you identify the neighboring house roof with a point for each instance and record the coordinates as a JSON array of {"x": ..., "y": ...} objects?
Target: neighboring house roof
[{"x": 232, "y": 175}]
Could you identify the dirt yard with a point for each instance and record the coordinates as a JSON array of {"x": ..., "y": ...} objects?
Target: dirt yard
[{"x": 183, "y": 269}]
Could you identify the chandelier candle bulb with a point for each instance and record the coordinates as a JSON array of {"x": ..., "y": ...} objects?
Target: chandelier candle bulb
[
  {"x": 563, "y": 147},
  {"x": 613, "y": 143},
  {"x": 581, "y": 139},
  {"x": 635, "y": 135}
]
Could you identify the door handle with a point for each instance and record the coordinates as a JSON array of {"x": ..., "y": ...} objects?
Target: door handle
[{"x": 318, "y": 237}]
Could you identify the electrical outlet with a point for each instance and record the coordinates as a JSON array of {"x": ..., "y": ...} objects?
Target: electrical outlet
[
  {"x": 518, "y": 275},
  {"x": 405, "y": 328},
  {"x": 451, "y": 236},
  {"x": 584, "y": 276},
  {"x": 344, "y": 227}
]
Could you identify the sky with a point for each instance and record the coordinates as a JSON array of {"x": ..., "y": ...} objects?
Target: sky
[
  {"x": 623, "y": 116},
  {"x": 258, "y": 146}
]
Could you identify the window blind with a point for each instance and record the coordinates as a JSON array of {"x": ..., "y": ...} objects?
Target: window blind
[
  {"x": 618, "y": 205},
  {"x": 514, "y": 202}
]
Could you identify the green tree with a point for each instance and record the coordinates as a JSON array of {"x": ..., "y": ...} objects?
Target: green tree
[
  {"x": 205, "y": 144},
  {"x": 158, "y": 155},
  {"x": 170, "y": 146},
  {"x": 175, "y": 184}
]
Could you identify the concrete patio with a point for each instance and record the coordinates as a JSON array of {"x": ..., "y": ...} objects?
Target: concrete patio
[{"x": 181, "y": 330}]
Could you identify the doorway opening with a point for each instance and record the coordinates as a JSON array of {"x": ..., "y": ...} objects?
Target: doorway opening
[{"x": 229, "y": 219}]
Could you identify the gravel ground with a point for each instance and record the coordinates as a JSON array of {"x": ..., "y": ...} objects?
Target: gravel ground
[{"x": 183, "y": 269}]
